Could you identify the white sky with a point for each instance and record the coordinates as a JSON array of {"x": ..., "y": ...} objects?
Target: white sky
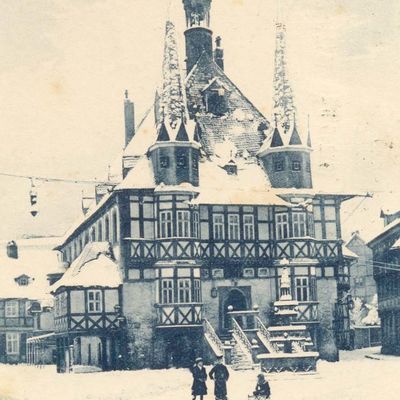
[{"x": 65, "y": 65}]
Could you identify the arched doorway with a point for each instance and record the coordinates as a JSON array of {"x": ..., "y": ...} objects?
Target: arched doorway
[{"x": 237, "y": 299}]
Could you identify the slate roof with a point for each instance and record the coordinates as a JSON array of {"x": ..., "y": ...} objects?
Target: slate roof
[{"x": 241, "y": 122}]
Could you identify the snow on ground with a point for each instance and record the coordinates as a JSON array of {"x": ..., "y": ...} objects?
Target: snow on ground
[{"x": 354, "y": 377}]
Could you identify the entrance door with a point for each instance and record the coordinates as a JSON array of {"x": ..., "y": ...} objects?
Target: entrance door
[{"x": 237, "y": 300}]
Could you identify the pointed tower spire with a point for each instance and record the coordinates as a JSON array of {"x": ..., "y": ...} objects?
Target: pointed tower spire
[
  {"x": 295, "y": 137},
  {"x": 276, "y": 140},
  {"x": 171, "y": 96},
  {"x": 283, "y": 104},
  {"x": 309, "y": 144}
]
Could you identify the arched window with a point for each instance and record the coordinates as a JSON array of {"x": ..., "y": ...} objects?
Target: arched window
[
  {"x": 107, "y": 229},
  {"x": 100, "y": 232},
  {"x": 114, "y": 227}
]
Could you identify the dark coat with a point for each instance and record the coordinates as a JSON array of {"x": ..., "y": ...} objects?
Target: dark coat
[
  {"x": 199, "y": 387},
  {"x": 220, "y": 375},
  {"x": 262, "y": 389}
]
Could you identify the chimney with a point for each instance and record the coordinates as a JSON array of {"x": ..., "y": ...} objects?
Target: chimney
[
  {"x": 12, "y": 249},
  {"x": 129, "y": 113},
  {"x": 219, "y": 53}
]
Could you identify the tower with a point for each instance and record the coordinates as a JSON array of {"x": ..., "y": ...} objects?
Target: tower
[
  {"x": 285, "y": 155},
  {"x": 176, "y": 151},
  {"x": 198, "y": 35},
  {"x": 129, "y": 114}
]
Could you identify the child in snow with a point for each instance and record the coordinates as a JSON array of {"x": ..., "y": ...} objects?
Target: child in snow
[
  {"x": 199, "y": 373},
  {"x": 263, "y": 390}
]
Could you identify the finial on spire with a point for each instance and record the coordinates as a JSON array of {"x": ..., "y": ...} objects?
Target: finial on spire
[{"x": 126, "y": 94}]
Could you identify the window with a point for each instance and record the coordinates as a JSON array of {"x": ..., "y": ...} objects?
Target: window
[
  {"x": 167, "y": 291},
  {"x": 183, "y": 223},
  {"x": 100, "y": 234},
  {"x": 107, "y": 229},
  {"x": 218, "y": 225},
  {"x": 94, "y": 299},
  {"x": 12, "y": 343},
  {"x": 166, "y": 224},
  {"x": 282, "y": 228},
  {"x": 296, "y": 166},
  {"x": 12, "y": 308},
  {"x": 93, "y": 235},
  {"x": 181, "y": 160},
  {"x": 195, "y": 162},
  {"x": 248, "y": 222},
  {"x": 164, "y": 161},
  {"x": 114, "y": 227},
  {"x": 302, "y": 289},
  {"x": 196, "y": 224},
  {"x": 184, "y": 290},
  {"x": 196, "y": 291},
  {"x": 299, "y": 224},
  {"x": 216, "y": 102},
  {"x": 278, "y": 165},
  {"x": 233, "y": 226}
]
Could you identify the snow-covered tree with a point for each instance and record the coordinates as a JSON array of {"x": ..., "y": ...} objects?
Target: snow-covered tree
[
  {"x": 372, "y": 318},
  {"x": 358, "y": 312}
]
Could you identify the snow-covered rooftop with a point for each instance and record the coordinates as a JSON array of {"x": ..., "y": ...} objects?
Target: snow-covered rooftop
[
  {"x": 95, "y": 266},
  {"x": 35, "y": 260}
]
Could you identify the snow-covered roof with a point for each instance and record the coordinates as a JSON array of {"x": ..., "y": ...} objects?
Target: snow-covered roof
[
  {"x": 35, "y": 260},
  {"x": 95, "y": 266},
  {"x": 386, "y": 229},
  {"x": 348, "y": 253}
]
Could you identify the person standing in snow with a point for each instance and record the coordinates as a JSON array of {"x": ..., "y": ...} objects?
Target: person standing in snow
[
  {"x": 263, "y": 390},
  {"x": 220, "y": 375},
  {"x": 199, "y": 387}
]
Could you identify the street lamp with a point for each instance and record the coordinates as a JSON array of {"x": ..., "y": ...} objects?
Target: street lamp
[{"x": 121, "y": 337}]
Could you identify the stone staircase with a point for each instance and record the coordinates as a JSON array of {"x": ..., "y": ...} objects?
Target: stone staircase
[{"x": 264, "y": 337}]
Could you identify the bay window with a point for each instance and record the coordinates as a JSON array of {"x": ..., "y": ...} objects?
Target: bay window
[
  {"x": 282, "y": 225},
  {"x": 165, "y": 224},
  {"x": 184, "y": 290},
  {"x": 299, "y": 224},
  {"x": 183, "y": 224},
  {"x": 167, "y": 291}
]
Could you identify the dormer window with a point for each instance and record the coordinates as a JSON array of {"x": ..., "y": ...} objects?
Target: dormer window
[
  {"x": 215, "y": 98},
  {"x": 22, "y": 280}
]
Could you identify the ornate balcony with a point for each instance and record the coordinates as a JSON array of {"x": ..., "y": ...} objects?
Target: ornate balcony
[
  {"x": 179, "y": 315},
  {"x": 173, "y": 248}
]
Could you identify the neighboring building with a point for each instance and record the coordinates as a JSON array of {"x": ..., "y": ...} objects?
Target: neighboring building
[
  {"x": 362, "y": 283},
  {"x": 213, "y": 203},
  {"x": 386, "y": 258},
  {"x": 25, "y": 301},
  {"x": 86, "y": 315}
]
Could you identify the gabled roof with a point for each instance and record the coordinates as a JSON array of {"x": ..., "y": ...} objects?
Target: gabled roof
[
  {"x": 163, "y": 133},
  {"x": 392, "y": 226},
  {"x": 182, "y": 135},
  {"x": 240, "y": 124},
  {"x": 95, "y": 266}
]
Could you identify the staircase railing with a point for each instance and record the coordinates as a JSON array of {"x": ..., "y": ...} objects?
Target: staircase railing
[
  {"x": 266, "y": 335},
  {"x": 241, "y": 337},
  {"x": 213, "y": 337},
  {"x": 298, "y": 347}
]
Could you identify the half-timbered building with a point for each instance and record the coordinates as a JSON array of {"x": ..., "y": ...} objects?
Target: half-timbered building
[
  {"x": 386, "y": 261},
  {"x": 25, "y": 301},
  {"x": 214, "y": 201}
]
